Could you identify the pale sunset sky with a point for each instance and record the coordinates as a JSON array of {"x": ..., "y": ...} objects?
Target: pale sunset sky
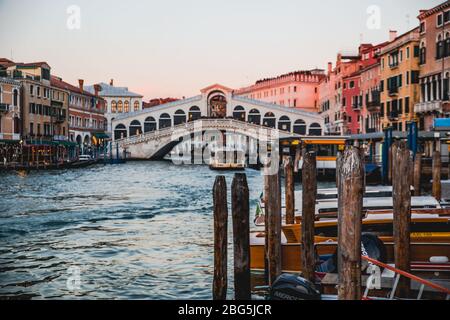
[{"x": 176, "y": 47}]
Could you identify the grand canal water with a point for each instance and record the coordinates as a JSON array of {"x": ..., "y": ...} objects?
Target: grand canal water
[{"x": 143, "y": 230}]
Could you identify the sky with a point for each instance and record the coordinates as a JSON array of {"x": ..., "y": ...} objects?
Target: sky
[{"x": 174, "y": 48}]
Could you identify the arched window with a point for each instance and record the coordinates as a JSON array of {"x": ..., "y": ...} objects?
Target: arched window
[
  {"x": 254, "y": 116},
  {"x": 269, "y": 120},
  {"x": 179, "y": 117},
  {"x": 315, "y": 130},
  {"x": 113, "y": 106},
  {"x": 165, "y": 121},
  {"x": 284, "y": 124},
  {"x": 126, "y": 106},
  {"x": 239, "y": 113},
  {"x": 447, "y": 45},
  {"x": 136, "y": 106},
  {"x": 120, "y": 132},
  {"x": 439, "y": 47},
  {"x": 194, "y": 113},
  {"x": 423, "y": 54},
  {"x": 120, "y": 106},
  {"x": 16, "y": 98},
  {"x": 150, "y": 124},
  {"x": 135, "y": 128},
  {"x": 300, "y": 127}
]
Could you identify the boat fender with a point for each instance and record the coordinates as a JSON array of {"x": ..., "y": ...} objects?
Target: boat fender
[{"x": 439, "y": 260}]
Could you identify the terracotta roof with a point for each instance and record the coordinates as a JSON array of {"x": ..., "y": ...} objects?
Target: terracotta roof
[
  {"x": 426, "y": 13},
  {"x": 59, "y": 83}
]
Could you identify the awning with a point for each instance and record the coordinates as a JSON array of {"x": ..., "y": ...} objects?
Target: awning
[
  {"x": 4, "y": 141},
  {"x": 68, "y": 144},
  {"x": 101, "y": 135}
]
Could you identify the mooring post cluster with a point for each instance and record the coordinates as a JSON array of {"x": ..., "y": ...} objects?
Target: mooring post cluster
[{"x": 241, "y": 238}]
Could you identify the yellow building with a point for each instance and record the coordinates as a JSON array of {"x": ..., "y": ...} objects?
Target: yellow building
[{"x": 400, "y": 89}]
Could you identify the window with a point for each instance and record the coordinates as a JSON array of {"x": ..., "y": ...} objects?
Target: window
[
  {"x": 440, "y": 20},
  {"x": 38, "y": 89},
  {"x": 31, "y": 129},
  {"x": 136, "y": 106},
  {"x": 31, "y": 90},
  {"x": 407, "y": 105},
  {"x": 127, "y": 106},
  {"x": 422, "y": 54},
  {"x": 414, "y": 77},
  {"x": 352, "y": 84},
  {"x": 447, "y": 16},
  {"x": 439, "y": 48},
  {"x": 408, "y": 53},
  {"x": 16, "y": 98},
  {"x": 422, "y": 27},
  {"x": 113, "y": 106},
  {"x": 120, "y": 106}
]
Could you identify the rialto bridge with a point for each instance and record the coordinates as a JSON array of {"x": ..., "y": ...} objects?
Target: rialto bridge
[{"x": 152, "y": 133}]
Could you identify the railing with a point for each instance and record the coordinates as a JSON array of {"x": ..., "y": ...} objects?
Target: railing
[
  {"x": 4, "y": 107},
  {"x": 203, "y": 124},
  {"x": 428, "y": 107},
  {"x": 399, "y": 273}
]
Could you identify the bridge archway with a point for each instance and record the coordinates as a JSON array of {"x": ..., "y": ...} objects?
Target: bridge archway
[
  {"x": 315, "y": 129},
  {"x": 239, "y": 113},
  {"x": 179, "y": 117},
  {"x": 269, "y": 120},
  {"x": 165, "y": 121},
  {"x": 300, "y": 127},
  {"x": 150, "y": 124},
  {"x": 194, "y": 113},
  {"x": 284, "y": 124},
  {"x": 120, "y": 132},
  {"x": 217, "y": 103},
  {"x": 135, "y": 128},
  {"x": 254, "y": 116}
]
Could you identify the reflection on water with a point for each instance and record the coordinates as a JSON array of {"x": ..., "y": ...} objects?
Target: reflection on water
[{"x": 136, "y": 231}]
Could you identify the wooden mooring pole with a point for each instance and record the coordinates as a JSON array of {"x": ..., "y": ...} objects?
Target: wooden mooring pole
[
  {"x": 349, "y": 225},
  {"x": 417, "y": 174},
  {"x": 241, "y": 236},
  {"x": 309, "y": 194},
  {"x": 401, "y": 189},
  {"x": 437, "y": 192},
  {"x": 338, "y": 167},
  {"x": 220, "y": 283},
  {"x": 289, "y": 191},
  {"x": 273, "y": 212}
]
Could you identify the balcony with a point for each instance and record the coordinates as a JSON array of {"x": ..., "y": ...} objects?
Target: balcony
[
  {"x": 393, "y": 91},
  {"x": 59, "y": 118},
  {"x": 393, "y": 116},
  {"x": 431, "y": 106},
  {"x": 374, "y": 106},
  {"x": 356, "y": 107},
  {"x": 4, "y": 108}
]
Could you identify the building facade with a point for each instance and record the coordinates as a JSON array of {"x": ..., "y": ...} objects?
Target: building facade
[
  {"x": 434, "y": 59},
  {"x": 399, "y": 80},
  {"x": 294, "y": 90},
  {"x": 9, "y": 110},
  {"x": 87, "y": 121},
  {"x": 118, "y": 100}
]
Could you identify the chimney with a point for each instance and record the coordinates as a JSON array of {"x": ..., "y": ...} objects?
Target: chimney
[
  {"x": 392, "y": 35},
  {"x": 81, "y": 84},
  {"x": 330, "y": 67},
  {"x": 111, "y": 83},
  {"x": 97, "y": 89}
]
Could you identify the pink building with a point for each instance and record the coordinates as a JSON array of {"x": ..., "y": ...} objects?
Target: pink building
[
  {"x": 349, "y": 95},
  {"x": 294, "y": 90}
]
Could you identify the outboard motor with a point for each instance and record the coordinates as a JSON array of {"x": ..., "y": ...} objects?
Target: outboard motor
[{"x": 290, "y": 287}]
